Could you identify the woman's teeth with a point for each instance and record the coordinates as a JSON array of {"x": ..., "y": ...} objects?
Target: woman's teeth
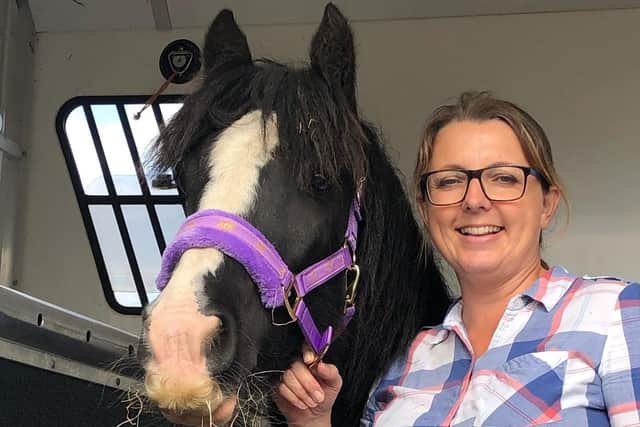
[{"x": 479, "y": 231}]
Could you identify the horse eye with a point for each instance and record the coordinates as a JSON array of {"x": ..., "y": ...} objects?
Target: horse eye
[{"x": 320, "y": 184}]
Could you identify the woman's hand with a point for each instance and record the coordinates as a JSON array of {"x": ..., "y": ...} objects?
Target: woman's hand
[{"x": 306, "y": 395}]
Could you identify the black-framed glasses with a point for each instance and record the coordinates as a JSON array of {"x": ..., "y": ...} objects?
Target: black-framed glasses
[{"x": 499, "y": 183}]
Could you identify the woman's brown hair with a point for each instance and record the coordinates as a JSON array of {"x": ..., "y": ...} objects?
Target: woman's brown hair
[{"x": 482, "y": 106}]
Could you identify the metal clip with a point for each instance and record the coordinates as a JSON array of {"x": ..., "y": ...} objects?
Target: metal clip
[
  {"x": 352, "y": 287},
  {"x": 319, "y": 357}
]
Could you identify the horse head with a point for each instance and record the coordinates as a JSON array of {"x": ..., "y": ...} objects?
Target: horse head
[{"x": 276, "y": 167}]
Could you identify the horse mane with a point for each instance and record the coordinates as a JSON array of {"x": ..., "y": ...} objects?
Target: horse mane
[{"x": 400, "y": 290}]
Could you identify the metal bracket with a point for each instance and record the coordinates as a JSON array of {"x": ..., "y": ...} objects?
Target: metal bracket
[
  {"x": 10, "y": 147},
  {"x": 54, "y": 363},
  {"x": 43, "y": 335}
]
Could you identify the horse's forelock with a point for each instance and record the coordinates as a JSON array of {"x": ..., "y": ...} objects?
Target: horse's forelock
[
  {"x": 214, "y": 106},
  {"x": 319, "y": 134}
]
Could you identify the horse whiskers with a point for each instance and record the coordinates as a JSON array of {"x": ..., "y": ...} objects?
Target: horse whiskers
[
  {"x": 136, "y": 393},
  {"x": 132, "y": 401},
  {"x": 252, "y": 403},
  {"x": 252, "y": 396},
  {"x": 118, "y": 367},
  {"x": 121, "y": 363},
  {"x": 211, "y": 423}
]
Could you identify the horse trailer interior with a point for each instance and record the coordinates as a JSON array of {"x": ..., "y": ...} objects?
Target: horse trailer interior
[{"x": 83, "y": 221}]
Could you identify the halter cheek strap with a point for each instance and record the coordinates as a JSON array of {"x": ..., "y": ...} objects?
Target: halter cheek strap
[{"x": 235, "y": 237}]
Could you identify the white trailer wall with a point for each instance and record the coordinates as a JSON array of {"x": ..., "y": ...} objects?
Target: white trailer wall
[
  {"x": 16, "y": 84},
  {"x": 576, "y": 72}
]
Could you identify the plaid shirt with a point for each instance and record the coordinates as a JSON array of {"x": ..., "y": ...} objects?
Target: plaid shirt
[{"x": 565, "y": 352}]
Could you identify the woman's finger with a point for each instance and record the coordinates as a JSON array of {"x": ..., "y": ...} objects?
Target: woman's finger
[
  {"x": 301, "y": 382},
  {"x": 309, "y": 381},
  {"x": 308, "y": 355},
  {"x": 289, "y": 396},
  {"x": 329, "y": 375}
]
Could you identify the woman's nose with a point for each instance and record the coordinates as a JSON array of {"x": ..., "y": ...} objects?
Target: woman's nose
[{"x": 475, "y": 197}]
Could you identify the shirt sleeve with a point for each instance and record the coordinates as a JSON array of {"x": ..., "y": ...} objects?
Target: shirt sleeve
[{"x": 620, "y": 365}]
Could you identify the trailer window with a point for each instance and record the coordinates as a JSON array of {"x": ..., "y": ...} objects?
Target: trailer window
[{"x": 129, "y": 214}]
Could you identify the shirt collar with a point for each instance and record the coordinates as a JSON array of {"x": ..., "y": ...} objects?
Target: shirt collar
[
  {"x": 551, "y": 287},
  {"x": 436, "y": 334},
  {"x": 547, "y": 290},
  {"x": 454, "y": 315}
]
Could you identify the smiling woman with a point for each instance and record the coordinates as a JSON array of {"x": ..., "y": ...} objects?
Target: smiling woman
[
  {"x": 486, "y": 189},
  {"x": 525, "y": 344},
  {"x": 489, "y": 227}
]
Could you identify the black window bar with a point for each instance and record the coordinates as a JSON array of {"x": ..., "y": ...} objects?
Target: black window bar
[{"x": 98, "y": 139}]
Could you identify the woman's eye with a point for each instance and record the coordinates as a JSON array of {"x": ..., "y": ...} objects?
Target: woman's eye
[
  {"x": 320, "y": 184},
  {"x": 448, "y": 182},
  {"x": 505, "y": 179}
]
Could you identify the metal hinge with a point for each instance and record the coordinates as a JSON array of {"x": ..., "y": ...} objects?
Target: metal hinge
[{"x": 11, "y": 148}]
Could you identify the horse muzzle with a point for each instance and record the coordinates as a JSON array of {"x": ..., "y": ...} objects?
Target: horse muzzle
[{"x": 177, "y": 373}]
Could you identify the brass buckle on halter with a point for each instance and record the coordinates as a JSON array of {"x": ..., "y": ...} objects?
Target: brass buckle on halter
[
  {"x": 273, "y": 319},
  {"x": 291, "y": 307},
  {"x": 352, "y": 287}
]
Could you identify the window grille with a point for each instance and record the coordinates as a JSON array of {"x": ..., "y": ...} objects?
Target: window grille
[{"x": 129, "y": 215}]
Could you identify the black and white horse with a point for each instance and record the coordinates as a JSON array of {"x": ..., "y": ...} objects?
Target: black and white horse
[{"x": 282, "y": 153}]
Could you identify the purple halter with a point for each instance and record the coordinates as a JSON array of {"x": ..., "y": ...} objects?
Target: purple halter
[{"x": 237, "y": 238}]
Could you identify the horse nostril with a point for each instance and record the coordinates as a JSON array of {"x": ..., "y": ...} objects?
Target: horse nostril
[{"x": 221, "y": 347}]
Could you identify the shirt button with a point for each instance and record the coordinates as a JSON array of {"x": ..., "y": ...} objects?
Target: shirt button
[{"x": 516, "y": 304}]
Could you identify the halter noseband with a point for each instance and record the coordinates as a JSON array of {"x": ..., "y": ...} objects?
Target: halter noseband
[{"x": 235, "y": 237}]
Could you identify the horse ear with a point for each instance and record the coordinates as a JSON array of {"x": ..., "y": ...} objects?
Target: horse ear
[
  {"x": 333, "y": 55},
  {"x": 225, "y": 42}
]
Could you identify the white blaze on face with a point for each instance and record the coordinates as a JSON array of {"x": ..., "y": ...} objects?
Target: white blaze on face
[
  {"x": 177, "y": 328},
  {"x": 235, "y": 161}
]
